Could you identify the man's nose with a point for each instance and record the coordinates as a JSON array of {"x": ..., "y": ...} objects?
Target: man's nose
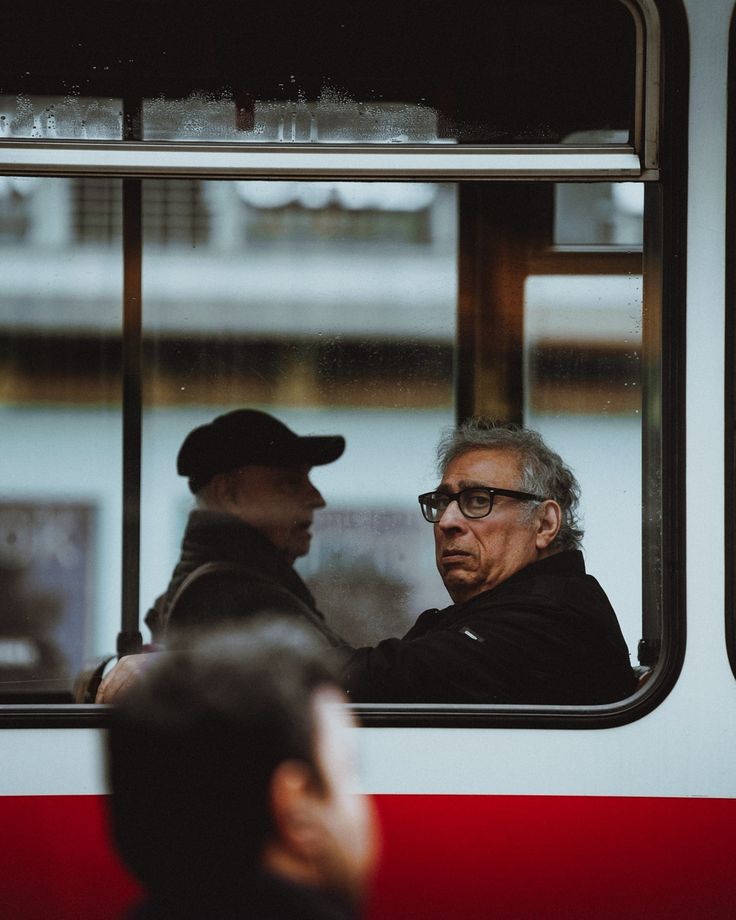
[
  {"x": 315, "y": 496},
  {"x": 452, "y": 517}
]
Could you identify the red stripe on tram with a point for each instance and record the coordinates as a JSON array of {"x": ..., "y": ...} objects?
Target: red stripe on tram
[{"x": 470, "y": 857}]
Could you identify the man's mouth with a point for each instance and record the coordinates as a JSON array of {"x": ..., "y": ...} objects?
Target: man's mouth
[{"x": 452, "y": 554}]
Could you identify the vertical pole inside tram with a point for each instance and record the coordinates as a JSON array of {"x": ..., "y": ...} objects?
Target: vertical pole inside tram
[{"x": 129, "y": 638}]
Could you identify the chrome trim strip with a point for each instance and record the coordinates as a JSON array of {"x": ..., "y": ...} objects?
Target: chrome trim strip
[
  {"x": 648, "y": 79},
  {"x": 652, "y": 84},
  {"x": 54, "y": 158}
]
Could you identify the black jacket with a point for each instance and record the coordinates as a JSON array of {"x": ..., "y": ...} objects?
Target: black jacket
[
  {"x": 249, "y": 575},
  {"x": 547, "y": 635},
  {"x": 260, "y": 897}
]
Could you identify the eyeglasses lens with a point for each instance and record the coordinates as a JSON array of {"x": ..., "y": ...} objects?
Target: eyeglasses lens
[
  {"x": 475, "y": 503},
  {"x": 433, "y": 506}
]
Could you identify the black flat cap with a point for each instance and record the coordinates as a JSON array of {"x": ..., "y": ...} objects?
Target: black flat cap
[{"x": 247, "y": 436}]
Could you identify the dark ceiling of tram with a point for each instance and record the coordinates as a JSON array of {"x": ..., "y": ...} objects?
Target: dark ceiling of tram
[{"x": 509, "y": 71}]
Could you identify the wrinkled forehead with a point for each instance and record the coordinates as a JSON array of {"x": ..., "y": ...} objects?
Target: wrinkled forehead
[{"x": 490, "y": 466}]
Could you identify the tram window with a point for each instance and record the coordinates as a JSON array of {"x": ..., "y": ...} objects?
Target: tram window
[
  {"x": 334, "y": 306},
  {"x": 331, "y": 305},
  {"x": 559, "y": 348},
  {"x": 382, "y": 73},
  {"x": 599, "y": 214},
  {"x": 384, "y": 309},
  {"x": 583, "y": 391},
  {"x": 60, "y": 486}
]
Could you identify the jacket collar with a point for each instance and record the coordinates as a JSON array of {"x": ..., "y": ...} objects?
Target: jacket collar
[
  {"x": 215, "y": 536},
  {"x": 228, "y": 536},
  {"x": 560, "y": 565}
]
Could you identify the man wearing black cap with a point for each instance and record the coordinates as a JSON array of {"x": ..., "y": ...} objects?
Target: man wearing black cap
[
  {"x": 255, "y": 502},
  {"x": 255, "y": 506}
]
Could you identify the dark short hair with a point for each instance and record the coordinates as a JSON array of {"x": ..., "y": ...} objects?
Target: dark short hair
[
  {"x": 543, "y": 472},
  {"x": 192, "y": 748}
]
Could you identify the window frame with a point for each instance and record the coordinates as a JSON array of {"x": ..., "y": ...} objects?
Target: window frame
[
  {"x": 660, "y": 143},
  {"x": 730, "y": 357}
]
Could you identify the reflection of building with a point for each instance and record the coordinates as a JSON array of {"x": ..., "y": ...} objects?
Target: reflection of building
[{"x": 286, "y": 300}]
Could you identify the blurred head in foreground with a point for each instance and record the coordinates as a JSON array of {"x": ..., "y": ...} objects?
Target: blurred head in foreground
[{"x": 232, "y": 766}]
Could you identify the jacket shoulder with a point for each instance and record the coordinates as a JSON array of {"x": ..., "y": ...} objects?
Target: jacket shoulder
[{"x": 229, "y": 592}]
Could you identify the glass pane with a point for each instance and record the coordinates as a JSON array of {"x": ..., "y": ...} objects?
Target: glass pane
[
  {"x": 599, "y": 214},
  {"x": 332, "y": 306},
  {"x": 583, "y": 339},
  {"x": 60, "y": 478},
  {"x": 504, "y": 71},
  {"x": 70, "y": 117}
]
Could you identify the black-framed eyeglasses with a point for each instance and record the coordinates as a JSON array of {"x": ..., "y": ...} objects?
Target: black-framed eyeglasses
[{"x": 476, "y": 502}]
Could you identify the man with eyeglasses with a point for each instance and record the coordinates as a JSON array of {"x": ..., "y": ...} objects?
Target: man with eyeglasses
[{"x": 527, "y": 624}]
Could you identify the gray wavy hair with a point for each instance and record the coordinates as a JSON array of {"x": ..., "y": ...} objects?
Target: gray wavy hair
[{"x": 543, "y": 471}]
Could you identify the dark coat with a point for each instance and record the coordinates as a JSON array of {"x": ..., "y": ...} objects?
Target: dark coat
[
  {"x": 244, "y": 574},
  {"x": 547, "y": 635},
  {"x": 261, "y": 897}
]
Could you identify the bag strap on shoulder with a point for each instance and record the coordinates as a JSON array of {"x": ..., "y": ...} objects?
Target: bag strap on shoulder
[{"x": 234, "y": 568}]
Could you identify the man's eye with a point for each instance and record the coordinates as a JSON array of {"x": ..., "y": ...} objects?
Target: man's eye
[{"x": 477, "y": 500}]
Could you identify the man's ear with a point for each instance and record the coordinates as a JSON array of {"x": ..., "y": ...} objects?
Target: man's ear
[
  {"x": 294, "y": 809},
  {"x": 549, "y": 524},
  {"x": 222, "y": 491}
]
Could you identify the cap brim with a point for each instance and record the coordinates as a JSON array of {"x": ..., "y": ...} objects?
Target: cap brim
[{"x": 318, "y": 450}]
